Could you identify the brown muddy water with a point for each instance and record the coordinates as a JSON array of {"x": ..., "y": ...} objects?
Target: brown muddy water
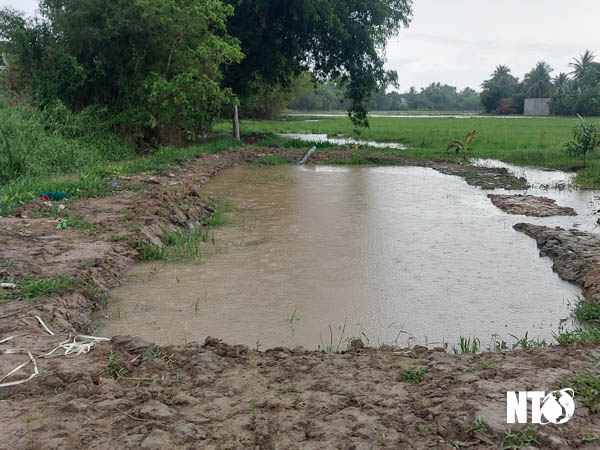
[{"x": 400, "y": 255}]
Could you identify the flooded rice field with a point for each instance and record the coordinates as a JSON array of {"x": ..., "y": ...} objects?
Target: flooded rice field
[
  {"x": 316, "y": 255},
  {"x": 309, "y": 137}
]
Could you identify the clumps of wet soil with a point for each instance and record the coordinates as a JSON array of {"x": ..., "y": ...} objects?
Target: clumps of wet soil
[
  {"x": 575, "y": 254},
  {"x": 130, "y": 394},
  {"x": 530, "y": 205},
  {"x": 484, "y": 177}
]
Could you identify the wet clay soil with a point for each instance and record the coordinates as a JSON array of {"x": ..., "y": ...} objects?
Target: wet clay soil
[{"x": 215, "y": 396}]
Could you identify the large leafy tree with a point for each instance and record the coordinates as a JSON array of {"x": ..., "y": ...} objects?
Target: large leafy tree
[
  {"x": 538, "y": 82},
  {"x": 579, "y": 94},
  {"x": 343, "y": 40},
  {"x": 499, "y": 88},
  {"x": 155, "y": 65}
]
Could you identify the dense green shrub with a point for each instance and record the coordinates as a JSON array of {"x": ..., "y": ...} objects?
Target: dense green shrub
[
  {"x": 53, "y": 141},
  {"x": 154, "y": 66}
]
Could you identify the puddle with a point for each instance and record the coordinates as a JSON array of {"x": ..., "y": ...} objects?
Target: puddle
[
  {"x": 537, "y": 178},
  {"x": 307, "y": 137},
  {"x": 557, "y": 185},
  {"x": 399, "y": 254}
]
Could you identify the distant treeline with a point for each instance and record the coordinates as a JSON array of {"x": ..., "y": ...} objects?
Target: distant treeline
[
  {"x": 577, "y": 92},
  {"x": 440, "y": 97}
]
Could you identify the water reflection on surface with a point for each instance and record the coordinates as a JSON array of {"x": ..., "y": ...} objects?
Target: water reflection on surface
[{"x": 398, "y": 254}]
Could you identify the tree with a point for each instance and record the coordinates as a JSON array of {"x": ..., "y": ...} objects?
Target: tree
[
  {"x": 583, "y": 64},
  {"x": 537, "y": 82},
  {"x": 581, "y": 93},
  {"x": 501, "y": 85},
  {"x": 156, "y": 66},
  {"x": 336, "y": 39},
  {"x": 560, "y": 80},
  {"x": 586, "y": 138}
]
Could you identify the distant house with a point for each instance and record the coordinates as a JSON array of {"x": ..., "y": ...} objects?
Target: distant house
[{"x": 537, "y": 107}]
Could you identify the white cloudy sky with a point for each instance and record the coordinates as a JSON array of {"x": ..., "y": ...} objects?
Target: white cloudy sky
[{"x": 459, "y": 42}]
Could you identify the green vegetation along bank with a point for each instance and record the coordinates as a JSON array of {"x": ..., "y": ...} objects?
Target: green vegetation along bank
[{"x": 523, "y": 141}]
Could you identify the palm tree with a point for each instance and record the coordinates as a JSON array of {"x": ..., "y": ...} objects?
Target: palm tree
[
  {"x": 502, "y": 72},
  {"x": 538, "y": 83},
  {"x": 560, "y": 80},
  {"x": 581, "y": 65}
]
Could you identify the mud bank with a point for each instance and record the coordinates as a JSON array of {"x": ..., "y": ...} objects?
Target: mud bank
[
  {"x": 530, "y": 205},
  {"x": 214, "y": 396},
  {"x": 129, "y": 394},
  {"x": 575, "y": 254}
]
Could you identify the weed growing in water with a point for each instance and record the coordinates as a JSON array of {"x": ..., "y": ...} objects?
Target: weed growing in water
[
  {"x": 526, "y": 344},
  {"x": 467, "y": 345},
  {"x": 331, "y": 347}
]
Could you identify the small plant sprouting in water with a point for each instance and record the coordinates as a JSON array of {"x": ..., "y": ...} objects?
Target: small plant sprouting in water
[
  {"x": 467, "y": 345},
  {"x": 463, "y": 147},
  {"x": 526, "y": 344},
  {"x": 293, "y": 317},
  {"x": 331, "y": 347}
]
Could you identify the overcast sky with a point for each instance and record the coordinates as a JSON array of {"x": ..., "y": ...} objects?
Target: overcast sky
[{"x": 460, "y": 42}]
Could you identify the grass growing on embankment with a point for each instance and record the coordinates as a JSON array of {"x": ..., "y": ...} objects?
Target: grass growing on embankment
[
  {"x": 39, "y": 153},
  {"x": 523, "y": 141}
]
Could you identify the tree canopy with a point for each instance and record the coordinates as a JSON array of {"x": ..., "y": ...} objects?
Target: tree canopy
[
  {"x": 343, "y": 40},
  {"x": 165, "y": 68},
  {"x": 155, "y": 65}
]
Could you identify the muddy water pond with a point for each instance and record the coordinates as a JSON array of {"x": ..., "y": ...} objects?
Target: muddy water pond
[{"x": 398, "y": 254}]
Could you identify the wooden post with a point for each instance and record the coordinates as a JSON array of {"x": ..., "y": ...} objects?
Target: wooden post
[{"x": 236, "y": 123}]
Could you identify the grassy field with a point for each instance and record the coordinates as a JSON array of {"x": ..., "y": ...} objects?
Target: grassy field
[
  {"x": 61, "y": 152},
  {"x": 523, "y": 141}
]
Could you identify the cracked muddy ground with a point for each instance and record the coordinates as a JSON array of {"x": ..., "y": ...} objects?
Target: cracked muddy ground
[{"x": 126, "y": 393}]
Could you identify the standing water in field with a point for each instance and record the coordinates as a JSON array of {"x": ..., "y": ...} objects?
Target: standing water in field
[{"x": 398, "y": 254}]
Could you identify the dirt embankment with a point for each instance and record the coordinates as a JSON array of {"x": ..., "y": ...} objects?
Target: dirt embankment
[
  {"x": 530, "y": 205},
  {"x": 575, "y": 254},
  {"x": 130, "y": 394}
]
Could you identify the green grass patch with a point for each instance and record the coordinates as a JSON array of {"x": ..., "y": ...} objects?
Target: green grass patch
[
  {"x": 415, "y": 374},
  {"x": 514, "y": 440},
  {"x": 73, "y": 220},
  {"x": 523, "y": 141},
  {"x": 32, "y": 289},
  {"x": 587, "y": 311},
  {"x": 582, "y": 335},
  {"x": 273, "y": 160},
  {"x": 100, "y": 177},
  {"x": 587, "y": 389}
]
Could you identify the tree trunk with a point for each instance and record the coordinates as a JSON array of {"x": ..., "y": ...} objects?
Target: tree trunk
[{"x": 236, "y": 123}]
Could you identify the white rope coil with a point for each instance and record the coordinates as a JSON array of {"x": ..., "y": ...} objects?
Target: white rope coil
[{"x": 73, "y": 347}]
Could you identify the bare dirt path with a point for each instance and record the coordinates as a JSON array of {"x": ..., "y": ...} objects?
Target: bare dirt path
[{"x": 130, "y": 394}]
